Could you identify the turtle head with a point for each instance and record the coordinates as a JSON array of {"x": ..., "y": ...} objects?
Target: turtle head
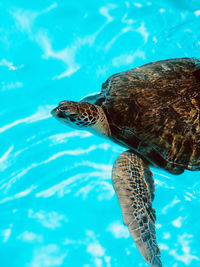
[{"x": 82, "y": 115}]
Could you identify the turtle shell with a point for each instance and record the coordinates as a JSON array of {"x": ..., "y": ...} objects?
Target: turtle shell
[{"x": 154, "y": 110}]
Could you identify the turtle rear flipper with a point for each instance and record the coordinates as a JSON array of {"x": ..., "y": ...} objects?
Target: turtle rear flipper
[{"x": 134, "y": 186}]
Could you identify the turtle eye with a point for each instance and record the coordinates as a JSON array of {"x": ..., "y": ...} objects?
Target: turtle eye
[{"x": 61, "y": 115}]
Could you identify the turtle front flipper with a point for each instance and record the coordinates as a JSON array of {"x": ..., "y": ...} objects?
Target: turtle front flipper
[
  {"x": 92, "y": 98},
  {"x": 134, "y": 185}
]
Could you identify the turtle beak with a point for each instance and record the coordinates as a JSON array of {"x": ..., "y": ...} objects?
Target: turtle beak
[
  {"x": 57, "y": 113},
  {"x": 60, "y": 110}
]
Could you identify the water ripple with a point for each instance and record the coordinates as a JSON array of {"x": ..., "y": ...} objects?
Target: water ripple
[
  {"x": 19, "y": 195},
  {"x": 65, "y": 50},
  {"x": 77, "y": 151},
  {"x": 4, "y": 159},
  {"x": 42, "y": 113}
]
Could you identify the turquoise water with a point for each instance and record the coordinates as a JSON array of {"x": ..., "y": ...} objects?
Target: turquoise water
[{"x": 57, "y": 204}]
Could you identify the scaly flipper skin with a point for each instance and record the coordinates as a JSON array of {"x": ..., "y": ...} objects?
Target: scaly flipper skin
[{"x": 134, "y": 185}]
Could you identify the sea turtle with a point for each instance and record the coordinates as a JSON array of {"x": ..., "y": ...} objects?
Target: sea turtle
[{"x": 154, "y": 111}]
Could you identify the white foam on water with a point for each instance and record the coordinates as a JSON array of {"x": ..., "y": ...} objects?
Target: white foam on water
[
  {"x": 19, "y": 195},
  {"x": 166, "y": 235},
  {"x": 178, "y": 222},
  {"x": 103, "y": 189},
  {"x": 137, "y": 4},
  {"x": 117, "y": 36},
  {"x": 51, "y": 7},
  {"x": 11, "y": 85},
  {"x": 78, "y": 151},
  {"x": 25, "y": 21},
  {"x": 24, "y": 18},
  {"x": 42, "y": 113},
  {"x": 51, "y": 220},
  {"x": 85, "y": 190},
  {"x": 15, "y": 177},
  {"x": 48, "y": 256},
  {"x": 126, "y": 20},
  {"x": 104, "y": 10},
  {"x": 143, "y": 31},
  {"x": 106, "y": 191},
  {"x": 99, "y": 166},
  {"x": 63, "y": 137},
  {"x": 60, "y": 187},
  {"x": 65, "y": 186},
  {"x": 96, "y": 250},
  {"x": 30, "y": 237},
  {"x": 4, "y": 159},
  {"x": 118, "y": 230},
  {"x": 187, "y": 256},
  {"x": 197, "y": 13},
  {"x": 127, "y": 59},
  {"x": 93, "y": 247},
  {"x": 163, "y": 246},
  {"x": 66, "y": 55},
  {"x": 10, "y": 65},
  {"x": 6, "y": 234},
  {"x": 170, "y": 205}
]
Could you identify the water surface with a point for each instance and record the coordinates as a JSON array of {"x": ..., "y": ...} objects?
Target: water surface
[{"x": 57, "y": 204}]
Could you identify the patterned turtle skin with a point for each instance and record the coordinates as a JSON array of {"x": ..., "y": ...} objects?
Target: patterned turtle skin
[{"x": 154, "y": 110}]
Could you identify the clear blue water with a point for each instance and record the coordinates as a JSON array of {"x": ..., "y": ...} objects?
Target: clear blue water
[{"x": 57, "y": 204}]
